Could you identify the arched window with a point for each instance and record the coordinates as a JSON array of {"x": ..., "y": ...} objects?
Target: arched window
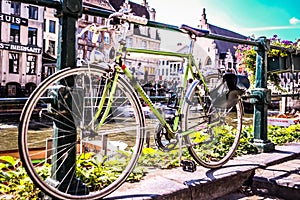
[{"x": 208, "y": 61}]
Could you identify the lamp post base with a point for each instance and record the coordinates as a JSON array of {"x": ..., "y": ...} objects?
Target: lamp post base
[{"x": 264, "y": 146}]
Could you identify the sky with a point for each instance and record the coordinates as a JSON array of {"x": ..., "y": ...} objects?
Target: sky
[{"x": 247, "y": 17}]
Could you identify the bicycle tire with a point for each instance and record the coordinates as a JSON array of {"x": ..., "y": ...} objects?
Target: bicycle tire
[
  {"x": 77, "y": 93},
  {"x": 211, "y": 146}
]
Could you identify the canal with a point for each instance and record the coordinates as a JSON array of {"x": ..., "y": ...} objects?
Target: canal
[{"x": 9, "y": 132}]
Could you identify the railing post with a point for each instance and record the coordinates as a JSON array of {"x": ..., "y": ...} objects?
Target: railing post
[{"x": 260, "y": 118}]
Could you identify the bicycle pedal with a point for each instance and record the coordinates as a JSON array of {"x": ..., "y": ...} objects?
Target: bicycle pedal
[{"x": 188, "y": 165}]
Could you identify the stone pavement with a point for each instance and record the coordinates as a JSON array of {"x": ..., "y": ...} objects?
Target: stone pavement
[
  {"x": 274, "y": 173},
  {"x": 281, "y": 180}
]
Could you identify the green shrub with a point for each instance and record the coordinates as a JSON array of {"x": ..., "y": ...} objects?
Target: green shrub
[{"x": 15, "y": 183}]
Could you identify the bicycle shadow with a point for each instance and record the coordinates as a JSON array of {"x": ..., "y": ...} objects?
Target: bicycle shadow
[
  {"x": 225, "y": 171},
  {"x": 133, "y": 196}
]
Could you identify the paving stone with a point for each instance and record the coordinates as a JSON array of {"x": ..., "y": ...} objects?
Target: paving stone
[{"x": 280, "y": 166}]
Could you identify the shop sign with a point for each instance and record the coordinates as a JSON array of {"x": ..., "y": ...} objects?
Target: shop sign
[
  {"x": 13, "y": 19},
  {"x": 21, "y": 48}
]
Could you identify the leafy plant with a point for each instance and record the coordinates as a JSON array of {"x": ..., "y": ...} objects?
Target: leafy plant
[
  {"x": 276, "y": 41},
  {"x": 14, "y": 181},
  {"x": 280, "y": 136},
  {"x": 97, "y": 173},
  {"x": 246, "y": 55}
]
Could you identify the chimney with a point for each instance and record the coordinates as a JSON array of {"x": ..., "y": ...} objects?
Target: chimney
[
  {"x": 152, "y": 13},
  {"x": 144, "y": 3}
]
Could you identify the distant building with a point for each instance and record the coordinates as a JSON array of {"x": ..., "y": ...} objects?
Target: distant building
[
  {"x": 50, "y": 42},
  {"x": 218, "y": 53},
  {"x": 85, "y": 44},
  {"x": 21, "y": 42},
  {"x": 142, "y": 37},
  {"x": 213, "y": 55},
  {"x": 29, "y": 45},
  {"x": 137, "y": 37}
]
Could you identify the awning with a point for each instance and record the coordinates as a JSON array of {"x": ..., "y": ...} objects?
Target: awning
[{"x": 47, "y": 58}]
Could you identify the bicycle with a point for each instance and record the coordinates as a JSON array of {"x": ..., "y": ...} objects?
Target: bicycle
[{"x": 91, "y": 116}]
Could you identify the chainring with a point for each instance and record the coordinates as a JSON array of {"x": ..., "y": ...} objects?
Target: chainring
[{"x": 162, "y": 140}]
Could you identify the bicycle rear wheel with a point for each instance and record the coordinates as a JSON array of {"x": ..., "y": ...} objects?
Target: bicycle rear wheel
[
  {"x": 62, "y": 147},
  {"x": 217, "y": 128}
]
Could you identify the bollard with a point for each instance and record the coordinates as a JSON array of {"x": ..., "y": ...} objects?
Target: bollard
[{"x": 263, "y": 94}]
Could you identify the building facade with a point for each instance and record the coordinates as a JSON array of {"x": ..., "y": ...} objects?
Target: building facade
[
  {"x": 21, "y": 47},
  {"x": 105, "y": 40},
  {"x": 215, "y": 55},
  {"x": 50, "y": 42}
]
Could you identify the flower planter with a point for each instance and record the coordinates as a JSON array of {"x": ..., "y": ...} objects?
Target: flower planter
[{"x": 278, "y": 64}]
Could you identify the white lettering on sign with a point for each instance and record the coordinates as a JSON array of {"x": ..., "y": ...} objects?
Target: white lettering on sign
[
  {"x": 15, "y": 47},
  {"x": 13, "y": 19}
]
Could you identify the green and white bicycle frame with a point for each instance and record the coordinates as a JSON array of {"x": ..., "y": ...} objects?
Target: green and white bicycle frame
[{"x": 191, "y": 72}]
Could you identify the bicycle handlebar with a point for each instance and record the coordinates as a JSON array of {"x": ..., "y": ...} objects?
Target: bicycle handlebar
[
  {"x": 195, "y": 31},
  {"x": 134, "y": 19},
  {"x": 129, "y": 17}
]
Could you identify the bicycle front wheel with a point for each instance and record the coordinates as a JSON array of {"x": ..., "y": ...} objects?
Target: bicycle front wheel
[
  {"x": 217, "y": 128},
  {"x": 76, "y": 139}
]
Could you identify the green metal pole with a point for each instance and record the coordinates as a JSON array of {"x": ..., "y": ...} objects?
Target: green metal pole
[
  {"x": 260, "y": 118},
  {"x": 71, "y": 11}
]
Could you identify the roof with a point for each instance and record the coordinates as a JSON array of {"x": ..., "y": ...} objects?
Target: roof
[
  {"x": 104, "y": 5},
  {"x": 223, "y": 46},
  {"x": 138, "y": 9}
]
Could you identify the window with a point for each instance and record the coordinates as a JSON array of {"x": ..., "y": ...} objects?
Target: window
[
  {"x": 31, "y": 65},
  {"x": 208, "y": 61},
  {"x": 90, "y": 35},
  {"x": 51, "y": 26},
  {"x": 90, "y": 18},
  {"x": 33, "y": 12},
  {"x": 11, "y": 90},
  {"x": 129, "y": 42},
  {"x": 15, "y": 8},
  {"x": 99, "y": 20},
  {"x": 44, "y": 44},
  {"x": 229, "y": 64},
  {"x": 44, "y": 27},
  {"x": 100, "y": 37},
  {"x": 79, "y": 31},
  {"x": 106, "y": 38},
  {"x": 144, "y": 44},
  {"x": 86, "y": 17},
  {"x": 14, "y": 33},
  {"x": 152, "y": 70},
  {"x": 51, "y": 47},
  {"x": 32, "y": 33},
  {"x": 13, "y": 63}
]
